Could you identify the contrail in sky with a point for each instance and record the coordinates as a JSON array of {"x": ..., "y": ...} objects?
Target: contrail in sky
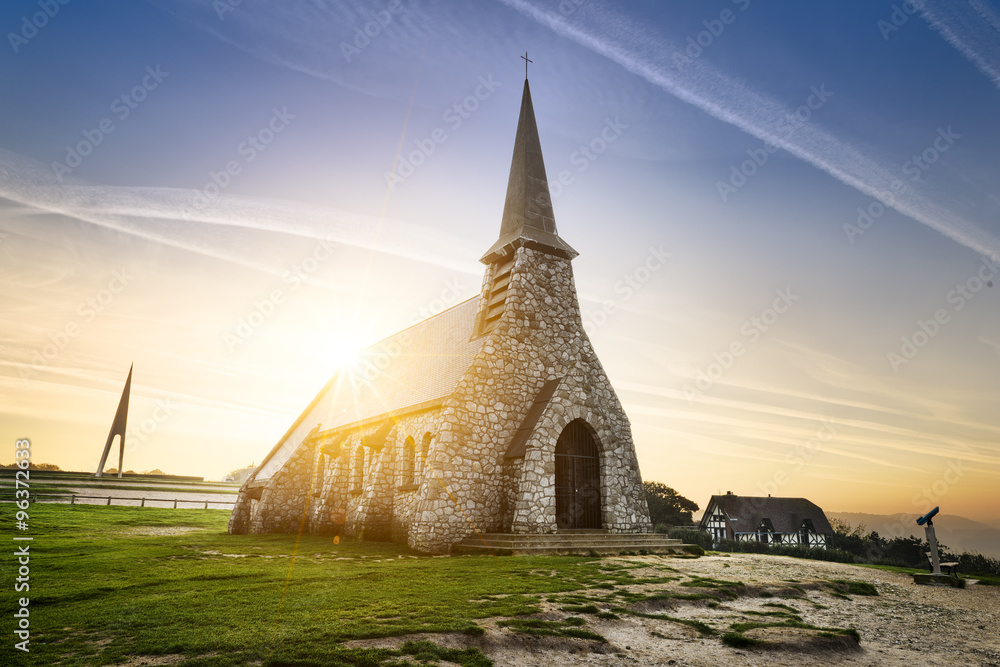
[
  {"x": 731, "y": 100},
  {"x": 972, "y": 27}
]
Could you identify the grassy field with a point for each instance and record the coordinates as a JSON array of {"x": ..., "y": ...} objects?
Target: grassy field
[
  {"x": 109, "y": 584},
  {"x": 112, "y": 582}
]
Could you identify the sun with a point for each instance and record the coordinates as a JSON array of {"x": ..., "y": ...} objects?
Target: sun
[{"x": 341, "y": 349}]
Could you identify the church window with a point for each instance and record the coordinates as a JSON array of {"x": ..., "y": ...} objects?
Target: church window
[
  {"x": 359, "y": 469},
  {"x": 407, "y": 463},
  {"x": 425, "y": 449}
]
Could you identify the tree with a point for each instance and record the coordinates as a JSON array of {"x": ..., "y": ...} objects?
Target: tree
[{"x": 668, "y": 507}]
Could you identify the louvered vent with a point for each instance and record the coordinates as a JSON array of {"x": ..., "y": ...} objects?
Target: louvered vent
[{"x": 497, "y": 296}]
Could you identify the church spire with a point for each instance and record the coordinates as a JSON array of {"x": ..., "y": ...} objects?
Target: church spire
[{"x": 527, "y": 212}]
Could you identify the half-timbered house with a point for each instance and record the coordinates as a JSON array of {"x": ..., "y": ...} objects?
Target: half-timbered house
[{"x": 765, "y": 519}]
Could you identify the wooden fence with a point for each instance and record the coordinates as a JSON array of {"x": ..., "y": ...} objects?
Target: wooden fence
[{"x": 39, "y": 497}]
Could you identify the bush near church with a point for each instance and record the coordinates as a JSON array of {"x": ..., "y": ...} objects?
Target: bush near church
[{"x": 667, "y": 508}]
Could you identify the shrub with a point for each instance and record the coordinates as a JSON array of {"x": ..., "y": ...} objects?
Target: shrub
[
  {"x": 691, "y": 536},
  {"x": 694, "y": 549}
]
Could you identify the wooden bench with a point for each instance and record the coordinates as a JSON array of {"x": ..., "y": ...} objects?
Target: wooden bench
[{"x": 946, "y": 568}]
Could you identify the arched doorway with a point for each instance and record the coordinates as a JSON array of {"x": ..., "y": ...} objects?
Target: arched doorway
[{"x": 578, "y": 478}]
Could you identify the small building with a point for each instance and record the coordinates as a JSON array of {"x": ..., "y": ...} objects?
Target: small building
[{"x": 766, "y": 520}]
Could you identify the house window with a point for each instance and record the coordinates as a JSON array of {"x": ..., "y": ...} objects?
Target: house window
[
  {"x": 805, "y": 531},
  {"x": 717, "y": 525},
  {"x": 764, "y": 531},
  {"x": 406, "y": 467}
]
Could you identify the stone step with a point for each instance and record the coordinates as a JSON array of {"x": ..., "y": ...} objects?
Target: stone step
[
  {"x": 556, "y": 538},
  {"x": 566, "y": 550},
  {"x": 567, "y": 543}
]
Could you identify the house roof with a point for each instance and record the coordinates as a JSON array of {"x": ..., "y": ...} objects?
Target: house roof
[
  {"x": 786, "y": 514},
  {"x": 527, "y": 211},
  {"x": 413, "y": 368}
]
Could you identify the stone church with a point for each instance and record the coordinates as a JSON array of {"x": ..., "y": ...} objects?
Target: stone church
[{"x": 494, "y": 416}]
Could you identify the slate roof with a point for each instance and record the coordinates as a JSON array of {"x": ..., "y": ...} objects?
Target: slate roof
[
  {"x": 418, "y": 365},
  {"x": 786, "y": 514},
  {"x": 527, "y": 210}
]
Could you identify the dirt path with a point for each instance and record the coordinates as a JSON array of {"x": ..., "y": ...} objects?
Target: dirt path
[{"x": 905, "y": 625}]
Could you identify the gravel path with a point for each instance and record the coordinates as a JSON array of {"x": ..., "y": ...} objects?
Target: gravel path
[{"x": 905, "y": 625}]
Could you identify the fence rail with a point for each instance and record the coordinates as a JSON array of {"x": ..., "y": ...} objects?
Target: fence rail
[{"x": 62, "y": 497}]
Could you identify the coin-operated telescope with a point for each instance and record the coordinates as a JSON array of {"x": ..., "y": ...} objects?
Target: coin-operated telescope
[
  {"x": 936, "y": 578},
  {"x": 928, "y": 525},
  {"x": 927, "y": 517}
]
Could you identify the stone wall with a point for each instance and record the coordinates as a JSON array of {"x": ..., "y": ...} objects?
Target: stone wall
[
  {"x": 382, "y": 505},
  {"x": 284, "y": 502},
  {"x": 539, "y": 337}
]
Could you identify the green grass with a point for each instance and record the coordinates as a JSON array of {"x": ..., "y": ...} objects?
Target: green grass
[
  {"x": 109, "y": 584},
  {"x": 983, "y": 579},
  {"x": 569, "y": 627},
  {"x": 853, "y": 587},
  {"x": 703, "y": 629},
  {"x": 103, "y": 589}
]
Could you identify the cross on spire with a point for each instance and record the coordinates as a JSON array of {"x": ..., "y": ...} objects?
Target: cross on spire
[{"x": 526, "y": 61}]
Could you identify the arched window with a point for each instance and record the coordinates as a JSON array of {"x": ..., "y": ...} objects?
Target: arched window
[
  {"x": 320, "y": 474},
  {"x": 425, "y": 448},
  {"x": 406, "y": 465},
  {"x": 359, "y": 469}
]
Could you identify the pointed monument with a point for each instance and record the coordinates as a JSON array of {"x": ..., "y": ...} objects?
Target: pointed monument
[{"x": 118, "y": 428}]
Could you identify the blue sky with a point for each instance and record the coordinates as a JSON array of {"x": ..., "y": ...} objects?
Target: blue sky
[{"x": 743, "y": 139}]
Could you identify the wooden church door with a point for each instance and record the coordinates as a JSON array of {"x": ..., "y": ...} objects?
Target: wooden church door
[{"x": 578, "y": 478}]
